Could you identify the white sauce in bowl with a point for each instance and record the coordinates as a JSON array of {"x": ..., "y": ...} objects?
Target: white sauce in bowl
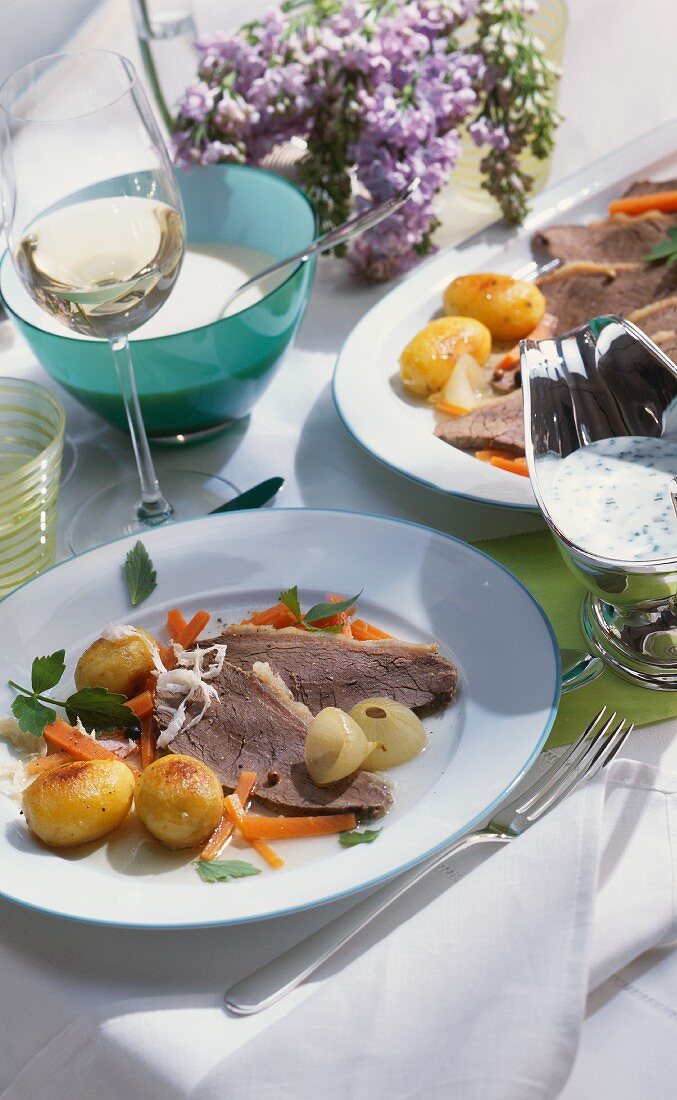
[{"x": 611, "y": 498}]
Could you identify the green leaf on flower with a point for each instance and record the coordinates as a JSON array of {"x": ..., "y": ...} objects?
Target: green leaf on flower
[
  {"x": 224, "y": 870},
  {"x": 290, "y": 599},
  {"x": 47, "y": 671},
  {"x": 99, "y": 709},
  {"x": 327, "y": 610},
  {"x": 31, "y": 714},
  {"x": 349, "y": 840},
  {"x": 139, "y": 574},
  {"x": 666, "y": 250}
]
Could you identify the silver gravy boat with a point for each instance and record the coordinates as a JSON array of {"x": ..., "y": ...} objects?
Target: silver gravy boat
[{"x": 606, "y": 379}]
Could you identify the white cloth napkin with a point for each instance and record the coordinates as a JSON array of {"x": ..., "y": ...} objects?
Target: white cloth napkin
[{"x": 472, "y": 991}]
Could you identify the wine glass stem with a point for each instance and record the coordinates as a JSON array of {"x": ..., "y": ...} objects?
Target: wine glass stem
[{"x": 153, "y": 507}]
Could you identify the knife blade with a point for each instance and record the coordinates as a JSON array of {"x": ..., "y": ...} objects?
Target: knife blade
[{"x": 252, "y": 498}]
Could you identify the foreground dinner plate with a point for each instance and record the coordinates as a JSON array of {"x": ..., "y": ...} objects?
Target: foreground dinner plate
[
  {"x": 398, "y": 430},
  {"x": 418, "y": 584}
]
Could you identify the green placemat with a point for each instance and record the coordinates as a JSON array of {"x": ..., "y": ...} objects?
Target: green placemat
[{"x": 535, "y": 559}]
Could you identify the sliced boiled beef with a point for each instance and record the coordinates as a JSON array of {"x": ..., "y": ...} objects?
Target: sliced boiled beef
[
  {"x": 331, "y": 670},
  {"x": 659, "y": 322},
  {"x": 621, "y": 238},
  {"x": 499, "y": 425},
  {"x": 577, "y": 292},
  {"x": 650, "y": 187},
  {"x": 252, "y": 728}
]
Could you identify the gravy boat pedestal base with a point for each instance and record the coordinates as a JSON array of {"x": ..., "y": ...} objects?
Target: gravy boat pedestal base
[{"x": 638, "y": 644}]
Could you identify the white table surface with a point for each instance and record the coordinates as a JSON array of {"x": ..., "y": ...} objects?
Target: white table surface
[{"x": 618, "y": 82}]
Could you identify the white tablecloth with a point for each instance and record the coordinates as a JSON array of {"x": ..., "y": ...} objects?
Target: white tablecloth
[{"x": 618, "y": 82}]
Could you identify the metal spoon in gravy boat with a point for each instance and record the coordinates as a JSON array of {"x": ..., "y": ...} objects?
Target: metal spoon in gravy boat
[{"x": 340, "y": 235}]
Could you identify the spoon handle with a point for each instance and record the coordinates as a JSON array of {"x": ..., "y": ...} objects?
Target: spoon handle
[{"x": 334, "y": 237}]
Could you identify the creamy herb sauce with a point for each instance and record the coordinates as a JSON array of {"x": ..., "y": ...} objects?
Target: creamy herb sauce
[{"x": 612, "y": 498}]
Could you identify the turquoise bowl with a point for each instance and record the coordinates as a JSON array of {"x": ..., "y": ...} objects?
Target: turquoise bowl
[{"x": 196, "y": 381}]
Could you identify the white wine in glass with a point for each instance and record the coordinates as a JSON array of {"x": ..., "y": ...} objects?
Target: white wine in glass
[{"x": 95, "y": 228}]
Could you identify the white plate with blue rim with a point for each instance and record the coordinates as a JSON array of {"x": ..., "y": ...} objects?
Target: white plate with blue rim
[
  {"x": 398, "y": 430},
  {"x": 417, "y": 584}
]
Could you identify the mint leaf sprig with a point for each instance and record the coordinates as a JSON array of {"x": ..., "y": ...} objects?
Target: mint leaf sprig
[
  {"x": 224, "y": 870},
  {"x": 96, "y": 707},
  {"x": 320, "y": 611},
  {"x": 349, "y": 840},
  {"x": 666, "y": 250}
]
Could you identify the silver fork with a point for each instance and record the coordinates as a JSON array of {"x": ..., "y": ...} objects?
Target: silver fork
[{"x": 594, "y": 748}]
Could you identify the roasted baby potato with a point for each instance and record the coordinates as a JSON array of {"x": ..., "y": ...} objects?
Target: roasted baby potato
[
  {"x": 79, "y": 801},
  {"x": 428, "y": 359},
  {"x": 122, "y": 665},
  {"x": 179, "y": 800},
  {"x": 510, "y": 308}
]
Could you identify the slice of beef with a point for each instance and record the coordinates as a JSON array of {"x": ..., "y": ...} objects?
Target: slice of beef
[
  {"x": 619, "y": 239},
  {"x": 577, "y": 292},
  {"x": 251, "y": 728},
  {"x": 330, "y": 670},
  {"x": 650, "y": 187},
  {"x": 659, "y": 322},
  {"x": 499, "y": 425}
]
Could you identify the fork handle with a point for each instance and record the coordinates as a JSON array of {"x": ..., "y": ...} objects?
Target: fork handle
[{"x": 269, "y": 984}]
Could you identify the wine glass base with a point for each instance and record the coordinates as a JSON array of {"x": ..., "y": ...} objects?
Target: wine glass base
[{"x": 111, "y": 513}]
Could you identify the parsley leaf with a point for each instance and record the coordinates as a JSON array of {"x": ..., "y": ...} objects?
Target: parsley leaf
[
  {"x": 665, "y": 250},
  {"x": 223, "y": 870},
  {"x": 349, "y": 840},
  {"x": 96, "y": 707},
  {"x": 290, "y": 599},
  {"x": 31, "y": 715},
  {"x": 139, "y": 574},
  {"x": 100, "y": 709},
  {"x": 326, "y": 610},
  {"x": 47, "y": 671}
]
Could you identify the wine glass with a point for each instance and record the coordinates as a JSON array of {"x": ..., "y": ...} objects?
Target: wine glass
[{"x": 93, "y": 218}]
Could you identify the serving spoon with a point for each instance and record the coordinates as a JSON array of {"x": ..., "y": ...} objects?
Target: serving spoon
[{"x": 340, "y": 235}]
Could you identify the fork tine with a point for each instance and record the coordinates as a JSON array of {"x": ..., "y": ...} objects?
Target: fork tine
[
  {"x": 561, "y": 766},
  {"x": 596, "y": 758}
]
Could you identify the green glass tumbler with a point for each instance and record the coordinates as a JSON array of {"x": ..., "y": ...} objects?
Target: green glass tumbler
[{"x": 31, "y": 443}]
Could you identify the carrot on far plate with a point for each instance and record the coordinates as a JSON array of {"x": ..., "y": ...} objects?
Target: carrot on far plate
[{"x": 665, "y": 201}]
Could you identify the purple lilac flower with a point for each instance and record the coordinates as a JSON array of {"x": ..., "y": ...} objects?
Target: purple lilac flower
[{"x": 379, "y": 93}]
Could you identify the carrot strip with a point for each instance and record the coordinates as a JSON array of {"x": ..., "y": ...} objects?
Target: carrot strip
[
  {"x": 47, "y": 763},
  {"x": 513, "y": 466},
  {"x": 279, "y": 615},
  {"x": 234, "y": 808},
  {"x": 60, "y": 735},
  {"x": 148, "y": 741},
  {"x": 449, "y": 409},
  {"x": 193, "y": 629},
  {"x": 255, "y": 827},
  {"x": 545, "y": 327},
  {"x": 639, "y": 204},
  {"x": 142, "y": 704},
  {"x": 269, "y": 854},
  {"x": 176, "y": 624},
  {"x": 487, "y": 455},
  {"x": 219, "y": 838},
  {"x": 226, "y": 826},
  {"x": 365, "y": 632},
  {"x": 245, "y": 786}
]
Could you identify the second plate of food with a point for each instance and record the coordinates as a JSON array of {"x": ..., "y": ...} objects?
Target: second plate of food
[
  {"x": 427, "y": 382},
  {"x": 486, "y": 706}
]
